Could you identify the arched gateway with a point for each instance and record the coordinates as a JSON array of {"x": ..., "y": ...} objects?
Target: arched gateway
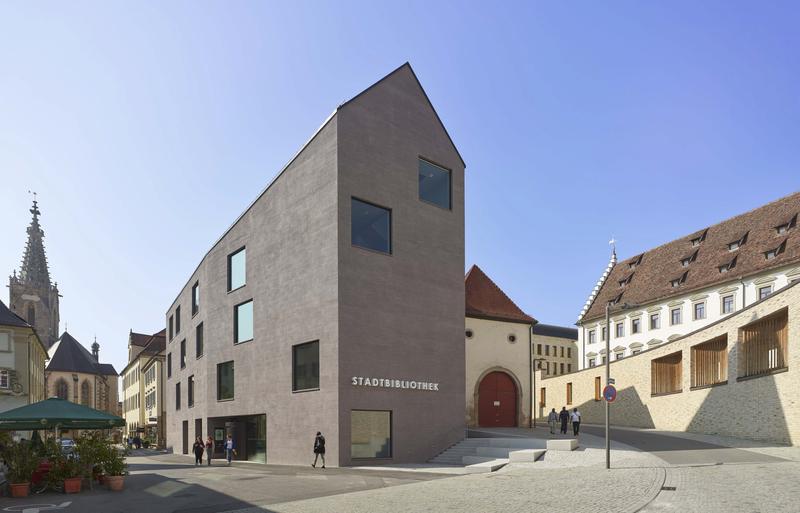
[{"x": 497, "y": 401}]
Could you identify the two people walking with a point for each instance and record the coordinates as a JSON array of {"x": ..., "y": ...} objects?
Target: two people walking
[
  {"x": 565, "y": 417},
  {"x": 200, "y": 447}
]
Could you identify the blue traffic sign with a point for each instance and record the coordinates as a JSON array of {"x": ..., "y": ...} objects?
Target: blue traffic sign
[{"x": 610, "y": 393}]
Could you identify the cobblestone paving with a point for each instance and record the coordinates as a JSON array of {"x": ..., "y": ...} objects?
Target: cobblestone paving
[{"x": 578, "y": 490}]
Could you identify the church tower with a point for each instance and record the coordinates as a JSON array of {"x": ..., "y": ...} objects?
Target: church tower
[{"x": 31, "y": 294}]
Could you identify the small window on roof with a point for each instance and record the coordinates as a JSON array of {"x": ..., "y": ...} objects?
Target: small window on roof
[
  {"x": 617, "y": 299},
  {"x": 626, "y": 280},
  {"x": 728, "y": 266},
  {"x": 685, "y": 261},
  {"x": 733, "y": 246},
  {"x": 785, "y": 227},
  {"x": 677, "y": 282},
  {"x": 772, "y": 253},
  {"x": 634, "y": 262},
  {"x": 696, "y": 241}
]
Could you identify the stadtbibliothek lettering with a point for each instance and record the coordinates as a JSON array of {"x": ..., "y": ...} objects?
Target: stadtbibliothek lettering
[{"x": 360, "y": 381}]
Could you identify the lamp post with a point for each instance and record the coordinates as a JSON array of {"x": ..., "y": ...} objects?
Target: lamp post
[
  {"x": 625, "y": 306},
  {"x": 534, "y": 402}
]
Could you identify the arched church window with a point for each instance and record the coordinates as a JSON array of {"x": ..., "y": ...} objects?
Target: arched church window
[
  {"x": 85, "y": 394},
  {"x": 62, "y": 389}
]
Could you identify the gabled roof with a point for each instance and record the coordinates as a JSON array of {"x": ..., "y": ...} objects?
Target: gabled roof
[
  {"x": 156, "y": 343},
  {"x": 485, "y": 300},
  {"x": 68, "y": 355},
  {"x": 654, "y": 270},
  {"x": 9, "y": 318},
  {"x": 549, "y": 330},
  {"x": 139, "y": 339}
]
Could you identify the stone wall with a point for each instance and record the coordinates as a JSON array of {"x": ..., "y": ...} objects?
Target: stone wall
[{"x": 760, "y": 408}]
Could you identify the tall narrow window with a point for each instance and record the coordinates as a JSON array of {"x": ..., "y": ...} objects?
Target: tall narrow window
[
  {"x": 597, "y": 393},
  {"x": 620, "y": 327},
  {"x": 636, "y": 325},
  {"x": 225, "y": 381},
  {"x": 538, "y": 349},
  {"x": 710, "y": 362},
  {"x": 198, "y": 340},
  {"x": 675, "y": 316},
  {"x": 4, "y": 379},
  {"x": 178, "y": 395},
  {"x": 169, "y": 365},
  {"x": 699, "y": 310},
  {"x": 592, "y": 336},
  {"x": 171, "y": 326},
  {"x": 655, "y": 321},
  {"x": 370, "y": 226},
  {"x": 305, "y": 366},
  {"x": 183, "y": 353},
  {"x": 243, "y": 322},
  {"x": 547, "y": 350},
  {"x": 665, "y": 374},
  {"x": 434, "y": 184},
  {"x": 569, "y": 352},
  {"x": 237, "y": 269},
  {"x": 177, "y": 319},
  {"x": 190, "y": 391},
  {"x": 86, "y": 398},
  {"x": 604, "y": 334},
  {"x": 569, "y": 393},
  {"x": 195, "y": 297},
  {"x": 62, "y": 389},
  {"x": 542, "y": 397},
  {"x": 727, "y": 304}
]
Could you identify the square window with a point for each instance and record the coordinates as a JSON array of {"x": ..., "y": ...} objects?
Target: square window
[
  {"x": 636, "y": 325},
  {"x": 198, "y": 340},
  {"x": 305, "y": 366},
  {"x": 655, "y": 321},
  {"x": 237, "y": 269},
  {"x": 243, "y": 322},
  {"x": 699, "y": 311},
  {"x": 434, "y": 184},
  {"x": 225, "y": 381},
  {"x": 675, "y": 316},
  {"x": 592, "y": 362},
  {"x": 370, "y": 434},
  {"x": 195, "y": 297},
  {"x": 763, "y": 292},
  {"x": 727, "y": 304},
  {"x": 370, "y": 226}
]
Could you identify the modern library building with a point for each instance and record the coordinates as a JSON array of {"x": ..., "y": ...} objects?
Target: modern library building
[{"x": 335, "y": 302}]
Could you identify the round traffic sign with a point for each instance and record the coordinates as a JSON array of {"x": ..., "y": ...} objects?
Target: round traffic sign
[{"x": 610, "y": 393}]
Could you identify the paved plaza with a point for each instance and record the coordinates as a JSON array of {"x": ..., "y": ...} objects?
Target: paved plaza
[{"x": 652, "y": 472}]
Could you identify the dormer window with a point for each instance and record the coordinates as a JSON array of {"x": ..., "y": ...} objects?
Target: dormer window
[
  {"x": 625, "y": 281},
  {"x": 677, "y": 282},
  {"x": 785, "y": 227},
  {"x": 617, "y": 299},
  {"x": 634, "y": 263},
  {"x": 733, "y": 246},
  {"x": 696, "y": 241},
  {"x": 772, "y": 253},
  {"x": 727, "y": 267},
  {"x": 685, "y": 261}
]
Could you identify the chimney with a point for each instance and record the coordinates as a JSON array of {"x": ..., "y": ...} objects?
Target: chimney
[{"x": 96, "y": 350}]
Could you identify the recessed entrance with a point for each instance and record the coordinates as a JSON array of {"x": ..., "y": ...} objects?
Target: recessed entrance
[{"x": 497, "y": 401}]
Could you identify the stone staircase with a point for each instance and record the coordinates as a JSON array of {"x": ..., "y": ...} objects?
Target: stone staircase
[{"x": 490, "y": 454}]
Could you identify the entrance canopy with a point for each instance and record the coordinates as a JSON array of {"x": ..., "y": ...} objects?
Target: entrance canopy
[{"x": 55, "y": 412}]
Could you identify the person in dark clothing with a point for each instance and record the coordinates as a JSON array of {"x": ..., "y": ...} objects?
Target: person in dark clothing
[
  {"x": 319, "y": 449},
  {"x": 209, "y": 449},
  {"x": 198, "y": 449},
  {"x": 564, "y": 418}
]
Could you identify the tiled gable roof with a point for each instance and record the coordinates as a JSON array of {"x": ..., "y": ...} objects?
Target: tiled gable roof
[
  {"x": 139, "y": 339},
  {"x": 68, "y": 355},
  {"x": 9, "y": 318},
  {"x": 485, "y": 300},
  {"x": 706, "y": 251}
]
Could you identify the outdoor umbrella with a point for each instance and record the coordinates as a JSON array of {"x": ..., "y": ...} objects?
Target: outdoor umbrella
[{"x": 55, "y": 412}]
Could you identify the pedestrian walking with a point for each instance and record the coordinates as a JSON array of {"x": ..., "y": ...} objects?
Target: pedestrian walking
[
  {"x": 198, "y": 448},
  {"x": 209, "y": 449},
  {"x": 564, "y": 418},
  {"x": 552, "y": 419},
  {"x": 576, "y": 421},
  {"x": 230, "y": 449},
  {"x": 319, "y": 449}
]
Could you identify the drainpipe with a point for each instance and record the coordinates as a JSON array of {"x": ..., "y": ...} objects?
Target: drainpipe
[
  {"x": 744, "y": 293},
  {"x": 530, "y": 375}
]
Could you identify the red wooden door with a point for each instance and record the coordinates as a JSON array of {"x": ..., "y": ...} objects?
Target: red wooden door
[{"x": 497, "y": 401}]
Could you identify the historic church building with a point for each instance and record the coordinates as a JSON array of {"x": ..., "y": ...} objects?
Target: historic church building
[{"x": 72, "y": 372}]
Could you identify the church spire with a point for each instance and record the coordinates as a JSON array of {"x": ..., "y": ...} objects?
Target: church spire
[{"x": 34, "y": 263}]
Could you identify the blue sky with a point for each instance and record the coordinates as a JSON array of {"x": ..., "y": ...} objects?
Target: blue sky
[{"x": 147, "y": 128}]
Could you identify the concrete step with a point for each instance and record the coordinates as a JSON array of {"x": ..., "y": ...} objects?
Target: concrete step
[
  {"x": 525, "y": 455},
  {"x": 494, "y": 452},
  {"x": 563, "y": 444},
  {"x": 517, "y": 443},
  {"x": 478, "y": 462}
]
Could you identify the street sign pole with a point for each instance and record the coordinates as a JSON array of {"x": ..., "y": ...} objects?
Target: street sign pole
[{"x": 608, "y": 376}]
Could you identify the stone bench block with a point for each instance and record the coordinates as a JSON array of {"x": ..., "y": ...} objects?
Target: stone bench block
[
  {"x": 525, "y": 455},
  {"x": 565, "y": 444}
]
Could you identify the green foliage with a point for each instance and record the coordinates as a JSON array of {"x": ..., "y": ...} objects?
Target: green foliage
[
  {"x": 92, "y": 450},
  {"x": 114, "y": 463},
  {"x": 22, "y": 461}
]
